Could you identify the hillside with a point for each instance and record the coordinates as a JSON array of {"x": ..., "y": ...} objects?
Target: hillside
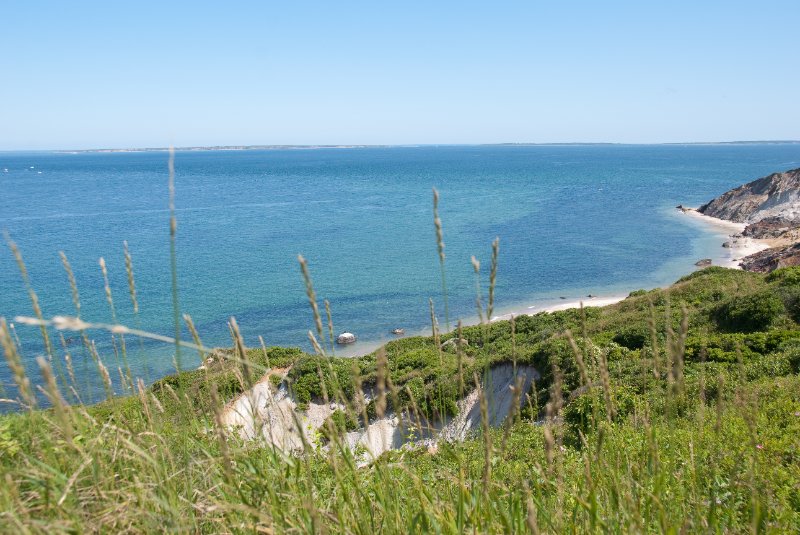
[{"x": 675, "y": 409}]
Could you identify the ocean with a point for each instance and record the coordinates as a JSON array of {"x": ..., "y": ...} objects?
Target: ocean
[{"x": 572, "y": 220}]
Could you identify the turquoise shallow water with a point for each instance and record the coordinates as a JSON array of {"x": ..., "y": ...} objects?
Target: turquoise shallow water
[{"x": 572, "y": 220}]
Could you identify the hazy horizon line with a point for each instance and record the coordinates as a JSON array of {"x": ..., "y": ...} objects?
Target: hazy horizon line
[{"x": 399, "y": 145}]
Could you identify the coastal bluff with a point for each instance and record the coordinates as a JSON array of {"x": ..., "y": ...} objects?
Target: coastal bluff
[
  {"x": 770, "y": 209},
  {"x": 776, "y": 196}
]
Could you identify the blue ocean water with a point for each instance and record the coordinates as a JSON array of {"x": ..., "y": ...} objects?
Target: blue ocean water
[{"x": 572, "y": 220}]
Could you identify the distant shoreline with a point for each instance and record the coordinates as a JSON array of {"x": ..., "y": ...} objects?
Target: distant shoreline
[
  {"x": 223, "y": 148},
  {"x": 379, "y": 146}
]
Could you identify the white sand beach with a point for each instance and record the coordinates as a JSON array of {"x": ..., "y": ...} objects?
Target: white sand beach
[
  {"x": 730, "y": 233},
  {"x": 594, "y": 301}
]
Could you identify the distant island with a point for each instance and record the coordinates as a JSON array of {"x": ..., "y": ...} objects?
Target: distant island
[
  {"x": 220, "y": 147},
  {"x": 569, "y": 144},
  {"x": 308, "y": 147}
]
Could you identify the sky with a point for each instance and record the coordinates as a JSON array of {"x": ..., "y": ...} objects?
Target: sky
[{"x": 78, "y": 75}]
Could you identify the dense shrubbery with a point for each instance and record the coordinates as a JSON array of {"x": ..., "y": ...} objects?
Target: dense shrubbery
[
  {"x": 304, "y": 378},
  {"x": 339, "y": 422},
  {"x": 654, "y": 442},
  {"x": 741, "y": 304},
  {"x": 728, "y": 347},
  {"x": 789, "y": 276},
  {"x": 633, "y": 337},
  {"x": 748, "y": 313},
  {"x": 585, "y": 412}
]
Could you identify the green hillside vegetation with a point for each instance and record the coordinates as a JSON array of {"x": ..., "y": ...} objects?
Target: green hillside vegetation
[{"x": 675, "y": 410}]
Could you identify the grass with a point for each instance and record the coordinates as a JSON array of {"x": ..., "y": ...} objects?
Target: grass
[{"x": 675, "y": 410}]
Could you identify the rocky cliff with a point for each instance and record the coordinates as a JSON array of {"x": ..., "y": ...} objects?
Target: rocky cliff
[
  {"x": 774, "y": 258},
  {"x": 770, "y": 206},
  {"x": 773, "y": 196}
]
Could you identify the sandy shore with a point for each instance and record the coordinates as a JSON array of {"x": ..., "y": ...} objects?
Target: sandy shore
[
  {"x": 363, "y": 348},
  {"x": 595, "y": 301},
  {"x": 729, "y": 257},
  {"x": 730, "y": 233}
]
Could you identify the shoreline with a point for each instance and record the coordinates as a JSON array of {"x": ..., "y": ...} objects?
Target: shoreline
[
  {"x": 566, "y": 304},
  {"x": 728, "y": 257},
  {"x": 730, "y": 232},
  {"x": 360, "y": 349}
]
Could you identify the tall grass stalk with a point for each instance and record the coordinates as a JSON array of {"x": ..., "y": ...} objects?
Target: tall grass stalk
[
  {"x": 312, "y": 299},
  {"x": 31, "y": 292},
  {"x": 437, "y": 223},
  {"x": 173, "y": 259},
  {"x": 14, "y": 362},
  {"x": 134, "y": 296},
  {"x": 330, "y": 327},
  {"x": 493, "y": 279},
  {"x": 76, "y": 301},
  {"x": 60, "y": 407},
  {"x": 128, "y": 381}
]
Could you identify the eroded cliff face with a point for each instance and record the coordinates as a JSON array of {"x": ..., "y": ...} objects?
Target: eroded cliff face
[
  {"x": 774, "y": 196},
  {"x": 272, "y": 414},
  {"x": 770, "y": 207}
]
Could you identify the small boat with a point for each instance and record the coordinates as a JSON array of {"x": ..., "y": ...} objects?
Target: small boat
[{"x": 398, "y": 331}]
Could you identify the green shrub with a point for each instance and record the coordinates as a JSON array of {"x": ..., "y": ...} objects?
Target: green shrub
[
  {"x": 579, "y": 414},
  {"x": 228, "y": 385},
  {"x": 633, "y": 337},
  {"x": 790, "y": 295},
  {"x": 774, "y": 365},
  {"x": 340, "y": 422},
  {"x": 304, "y": 378},
  {"x": 791, "y": 352},
  {"x": 417, "y": 359},
  {"x": 748, "y": 313},
  {"x": 723, "y": 347},
  {"x": 788, "y": 276},
  {"x": 276, "y": 357}
]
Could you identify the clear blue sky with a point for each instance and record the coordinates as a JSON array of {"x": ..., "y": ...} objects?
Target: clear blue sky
[{"x": 112, "y": 74}]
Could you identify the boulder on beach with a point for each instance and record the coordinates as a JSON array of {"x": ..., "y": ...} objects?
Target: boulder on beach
[
  {"x": 345, "y": 338},
  {"x": 703, "y": 263},
  {"x": 398, "y": 331}
]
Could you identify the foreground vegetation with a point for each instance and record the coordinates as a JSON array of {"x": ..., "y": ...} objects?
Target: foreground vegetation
[{"x": 675, "y": 410}]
